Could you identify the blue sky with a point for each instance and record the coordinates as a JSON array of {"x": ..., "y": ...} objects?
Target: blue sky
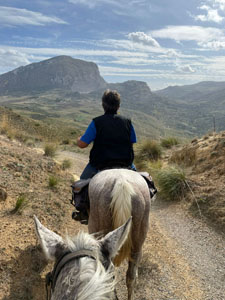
[{"x": 161, "y": 42}]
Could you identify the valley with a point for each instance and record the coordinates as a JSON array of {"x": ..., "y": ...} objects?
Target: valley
[{"x": 56, "y": 90}]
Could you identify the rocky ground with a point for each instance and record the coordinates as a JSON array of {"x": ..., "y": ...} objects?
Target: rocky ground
[{"x": 183, "y": 258}]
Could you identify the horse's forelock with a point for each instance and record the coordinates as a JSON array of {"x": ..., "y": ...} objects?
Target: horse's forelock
[{"x": 81, "y": 241}]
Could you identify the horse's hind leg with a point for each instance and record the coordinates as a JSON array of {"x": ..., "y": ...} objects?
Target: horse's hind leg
[{"x": 132, "y": 273}]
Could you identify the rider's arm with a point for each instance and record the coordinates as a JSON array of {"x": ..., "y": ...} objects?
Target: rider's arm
[
  {"x": 133, "y": 137},
  {"x": 88, "y": 137}
]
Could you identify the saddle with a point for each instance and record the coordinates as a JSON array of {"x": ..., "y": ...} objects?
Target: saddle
[{"x": 80, "y": 198}]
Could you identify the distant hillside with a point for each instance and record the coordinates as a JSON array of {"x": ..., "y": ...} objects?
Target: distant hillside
[
  {"x": 192, "y": 93},
  {"x": 28, "y": 130},
  {"x": 69, "y": 90},
  {"x": 62, "y": 72}
]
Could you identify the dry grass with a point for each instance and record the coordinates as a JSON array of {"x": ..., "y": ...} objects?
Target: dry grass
[
  {"x": 66, "y": 164},
  {"x": 50, "y": 150},
  {"x": 169, "y": 142},
  {"x": 21, "y": 203},
  {"x": 23, "y": 128},
  {"x": 172, "y": 182},
  {"x": 53, "y": 181},
  {"x": 185, "y": 156},
  {"x": 147, "y": 151}
]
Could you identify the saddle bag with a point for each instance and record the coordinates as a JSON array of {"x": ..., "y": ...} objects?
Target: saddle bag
[
  {"x": 80, "y": 197},
  {"x": 150, "y": 183}
]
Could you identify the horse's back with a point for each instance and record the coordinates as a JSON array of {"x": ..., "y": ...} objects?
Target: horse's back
[{"x": 101, "y": 189}]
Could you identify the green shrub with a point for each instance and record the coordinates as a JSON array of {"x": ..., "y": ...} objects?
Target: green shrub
[
  {"x": 169, "y": 142},
  {"x": 50, "y": 150},
  {"x": 66, "y": 164},
  {"x": 172, "y": 182},
  {"x": 53, "y": 181},
  {"x": 149, "y": 150},
  {"x": 20, "y": 203}
]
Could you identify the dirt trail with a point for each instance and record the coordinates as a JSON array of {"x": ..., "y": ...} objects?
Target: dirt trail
[{"x": 182, "y": 257}]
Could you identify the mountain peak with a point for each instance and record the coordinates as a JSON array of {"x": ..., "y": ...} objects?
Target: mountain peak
[{"x": 60, "y": 72}]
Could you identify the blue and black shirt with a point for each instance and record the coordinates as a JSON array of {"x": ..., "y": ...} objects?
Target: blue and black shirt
[{"x": 113, "y": 136}]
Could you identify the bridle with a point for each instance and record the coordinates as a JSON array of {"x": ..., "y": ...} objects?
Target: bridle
[{"x": 51, "y": 277}]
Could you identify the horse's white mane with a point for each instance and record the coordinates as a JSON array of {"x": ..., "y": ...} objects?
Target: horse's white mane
[{"x": 94, "y": 281}]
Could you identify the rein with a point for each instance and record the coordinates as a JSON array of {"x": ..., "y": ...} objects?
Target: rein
[{"x": 51, "y": 277}]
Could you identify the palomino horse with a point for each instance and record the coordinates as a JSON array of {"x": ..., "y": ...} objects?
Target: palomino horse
[
  {"x": 115, "y": 195},
  {"x": 83, "y": 268}
]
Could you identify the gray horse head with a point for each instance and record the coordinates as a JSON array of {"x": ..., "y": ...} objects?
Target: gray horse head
[{"x": 89, "y": 273}]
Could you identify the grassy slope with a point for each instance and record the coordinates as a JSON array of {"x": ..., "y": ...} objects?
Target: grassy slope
[
  {"x": 76, "y": 110},
  {"x": 24, "y": 128}
]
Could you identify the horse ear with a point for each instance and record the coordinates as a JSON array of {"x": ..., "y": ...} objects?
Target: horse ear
[
  {"x": 114, "y": 240},
  {"x": 50, "y": 241}
]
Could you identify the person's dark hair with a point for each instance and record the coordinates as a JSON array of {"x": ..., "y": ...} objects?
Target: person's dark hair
[{"x": 111, "y": 101}]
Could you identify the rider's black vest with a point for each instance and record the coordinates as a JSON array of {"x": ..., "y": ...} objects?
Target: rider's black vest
[{"x": 112, "y": 145}]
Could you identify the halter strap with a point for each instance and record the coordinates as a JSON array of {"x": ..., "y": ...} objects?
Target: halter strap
[{"x": 51, "y": 277}]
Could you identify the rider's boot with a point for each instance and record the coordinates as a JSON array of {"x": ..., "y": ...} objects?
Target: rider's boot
[{"x": 80, "y": 216}]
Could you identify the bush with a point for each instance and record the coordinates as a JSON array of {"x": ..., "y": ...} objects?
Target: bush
[
  {"x": 66, "y": 164},
  {"x": 53, "y": 181},
  {"x": 149, "y": 150},
  {"x": 50, "y": 150},
  {"x": 172, "y": 182},
  {"x": 20, "y": 203},
  {"x": 169, "y": 142}
]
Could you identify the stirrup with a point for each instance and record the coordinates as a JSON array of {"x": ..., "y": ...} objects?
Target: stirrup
[{"x": 80, "y": 216}]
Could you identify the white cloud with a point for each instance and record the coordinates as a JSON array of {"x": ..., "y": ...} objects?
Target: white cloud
[
  {"x": 50, "y": 52},
  {"x": 94, "y": 3},
  {"x": 185, "y": 69},
  {"x": 10, "y": 58},
  {"x": 211, "y": 15},
  {"x": 117, "y": 70},
  {"x": 189, "y": 33},
  {"x": 121, "y": 8},
  {"x": 144, "y": 39},
  {"x": 219, "y": 3},
  {"x": 214, "y": 45},
  {"x": 135, "y": 61},
  {"x": 12, "y": 16},
  {"x": 131, "y": 46}
]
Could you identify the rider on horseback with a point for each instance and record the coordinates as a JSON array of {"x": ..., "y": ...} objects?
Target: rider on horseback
[{"x": 112, "y": 135}]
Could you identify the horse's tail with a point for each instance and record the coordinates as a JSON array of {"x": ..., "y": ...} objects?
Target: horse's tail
[{"x": 121, "y": 208}]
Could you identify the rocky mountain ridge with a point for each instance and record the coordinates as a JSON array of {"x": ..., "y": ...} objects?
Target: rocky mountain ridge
[
  {"x": 61, "y": 72},
  {"x": 71, "y": 89}
]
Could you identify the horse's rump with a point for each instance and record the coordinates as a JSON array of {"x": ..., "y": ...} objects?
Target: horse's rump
[{"x": 115, "y": 195}]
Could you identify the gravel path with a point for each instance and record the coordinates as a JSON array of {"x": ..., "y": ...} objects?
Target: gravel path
[{"x": 201, "y": 246}]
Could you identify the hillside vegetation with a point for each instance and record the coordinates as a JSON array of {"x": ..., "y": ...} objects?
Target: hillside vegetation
[
  {"x": 70, "y": 90},
  {"x": 32, "y": 131},
  {"x": 193, "y": 173}
]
